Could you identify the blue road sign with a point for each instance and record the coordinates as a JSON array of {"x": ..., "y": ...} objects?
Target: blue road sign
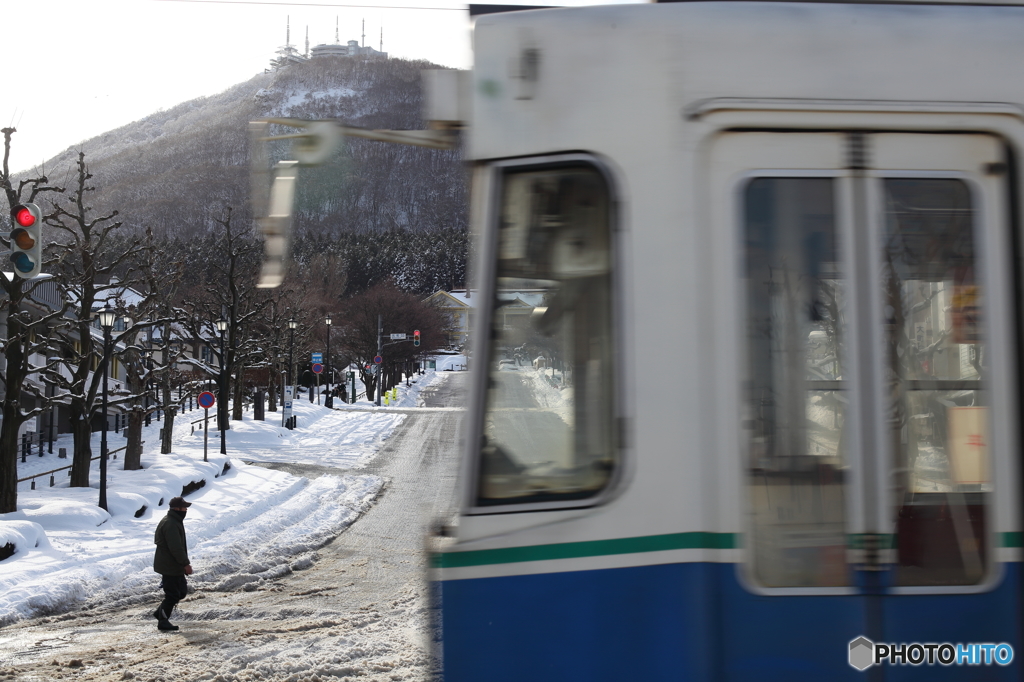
[
  {"x": 206, "y": 400},
  {"x": 317, "y": 368},
  {"x": 318, "y": 357},
  {"x": 378, "y": 359}
]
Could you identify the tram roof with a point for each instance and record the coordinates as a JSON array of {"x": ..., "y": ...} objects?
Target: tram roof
[{"x": 483, "y": 9}]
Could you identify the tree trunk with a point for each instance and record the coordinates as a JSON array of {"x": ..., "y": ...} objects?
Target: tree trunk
[
  {"x": 170, "y": 409},
  {"x": 14, "y": 377},
  {"x": 81, "y": 430},
  {"x": 272, "y": 395},
  {"x": 238, "y": 395},
  {"x": 370, "y": 382},
  {"x": 9, "y": 459},
  {"x": 223, "y": 412},
  {"x": 133, "y": 453},
  {"x": 257, "y": 406}
]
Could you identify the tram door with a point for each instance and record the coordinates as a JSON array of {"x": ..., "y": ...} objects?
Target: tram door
[{"x": 877, "y": 394}]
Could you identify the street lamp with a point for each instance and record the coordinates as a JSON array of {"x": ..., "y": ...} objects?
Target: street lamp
[
  {"x": 329, "y": 401},
  {"x": 222, "y": 415},
  {"x": 292, "y": 324},
  {"x": 107, "y": 317}
]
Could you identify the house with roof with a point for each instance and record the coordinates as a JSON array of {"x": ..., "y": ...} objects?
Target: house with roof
[
  {"x": 46, "y": 295},
  {"x": 459, "y": 305}
]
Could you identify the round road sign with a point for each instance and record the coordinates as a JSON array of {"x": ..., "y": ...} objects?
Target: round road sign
[
  {"x": 378, "y": 359},
  {"x": 317, "y": 368},
  {"x": 206, "y": 399}
]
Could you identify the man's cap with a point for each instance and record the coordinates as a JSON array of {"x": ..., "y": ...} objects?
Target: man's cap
[{"x": 178, "y": 502}]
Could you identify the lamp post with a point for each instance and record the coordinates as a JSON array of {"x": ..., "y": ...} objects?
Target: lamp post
[
  {"x": 222, "y": 415},
  {"x": 277, "y": 371},
  {"x": 53, "y": 406},
  {"x": 107, "y": 317},
  {"x": 145, "y": 395},
  {"x": 329, "y": 400},
  {"x": 292, "y": 324}
]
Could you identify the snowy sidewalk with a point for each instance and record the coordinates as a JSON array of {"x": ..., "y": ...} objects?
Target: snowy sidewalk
[{"x": 246, "y": 524}]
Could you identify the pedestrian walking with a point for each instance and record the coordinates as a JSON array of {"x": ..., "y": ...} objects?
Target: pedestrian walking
[{"x": 171, "y": 560}]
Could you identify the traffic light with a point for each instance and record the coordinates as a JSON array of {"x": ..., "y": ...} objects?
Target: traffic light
[
  {"x": 416, "y": 338},
  {"x": 27, "y": 240}
]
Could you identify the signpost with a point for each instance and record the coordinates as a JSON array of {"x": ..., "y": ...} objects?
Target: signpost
[
  {"x": 318, "y": 369},
  {"x": 206, "y": 400},
  {"x": 286, "y": 413},
  {"x": 398, "y": 337}
]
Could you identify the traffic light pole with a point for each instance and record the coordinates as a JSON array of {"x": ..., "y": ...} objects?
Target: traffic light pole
[
  {"x": 380, "y": 352},
  {"x": 103, "y": 436},
  {"x": 222, "y": 412}
]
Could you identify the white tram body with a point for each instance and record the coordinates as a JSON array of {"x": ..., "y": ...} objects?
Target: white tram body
[{"x": 757, "y": 268}]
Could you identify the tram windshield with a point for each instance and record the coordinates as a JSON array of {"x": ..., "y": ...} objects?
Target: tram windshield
[{"x": 548, "y": 427}]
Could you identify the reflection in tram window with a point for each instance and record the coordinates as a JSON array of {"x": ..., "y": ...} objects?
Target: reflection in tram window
[
  {"x": 796, "y": 390},
  {"x": 548, "y": 428},
  {"x": 936, "y": 366}
]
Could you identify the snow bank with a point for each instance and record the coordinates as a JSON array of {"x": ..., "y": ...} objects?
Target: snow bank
[{"x": 247, "y": 524}]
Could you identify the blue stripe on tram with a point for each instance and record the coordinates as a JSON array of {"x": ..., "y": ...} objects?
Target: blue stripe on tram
[{"x": 694, "y": 621}]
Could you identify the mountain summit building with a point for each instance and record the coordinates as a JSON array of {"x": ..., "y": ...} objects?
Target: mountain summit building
[{"x": 289, "y": 54}]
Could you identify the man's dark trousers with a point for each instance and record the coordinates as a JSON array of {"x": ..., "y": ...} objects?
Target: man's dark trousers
[{"x": 175, "y": 589}]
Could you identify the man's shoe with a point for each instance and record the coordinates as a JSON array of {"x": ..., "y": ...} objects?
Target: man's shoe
[{"x": 166, "y": 625}]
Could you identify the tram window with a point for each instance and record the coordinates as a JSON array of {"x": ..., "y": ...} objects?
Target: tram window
[
  {"x": 937, "y": 362},
  {"x": 548, "y": 426},
  {"x": 796, "y": 389}
]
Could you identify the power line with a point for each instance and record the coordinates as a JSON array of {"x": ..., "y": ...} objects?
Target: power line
[{"x": 313, "y": 4}]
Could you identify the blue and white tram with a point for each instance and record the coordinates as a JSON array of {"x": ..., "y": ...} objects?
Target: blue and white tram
[{"x": 748, "y": 379}]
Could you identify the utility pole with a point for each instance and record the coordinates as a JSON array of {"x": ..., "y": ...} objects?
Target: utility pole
[{"x": 380, "y": 349}]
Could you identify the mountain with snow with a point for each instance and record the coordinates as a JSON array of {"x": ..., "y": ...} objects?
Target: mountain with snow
[{"x": 175, "y": 170}]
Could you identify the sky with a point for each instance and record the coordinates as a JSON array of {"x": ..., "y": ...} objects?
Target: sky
[{"x": 88, "y": 66}]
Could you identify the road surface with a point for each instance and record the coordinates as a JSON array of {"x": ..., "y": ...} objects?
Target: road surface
[{"x": 360, "y": 611}]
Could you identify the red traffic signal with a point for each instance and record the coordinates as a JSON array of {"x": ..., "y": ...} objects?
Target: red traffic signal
[
  {"x": 25, "y": 216},
  {"x": 27, "y": 240},
  {"x": 416, "y": 338}
]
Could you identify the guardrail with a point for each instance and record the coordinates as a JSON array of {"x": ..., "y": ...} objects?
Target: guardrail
[{"x": 51, "y": 472}]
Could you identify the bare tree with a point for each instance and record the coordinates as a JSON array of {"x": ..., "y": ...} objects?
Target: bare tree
[
  {"x": 229, "y": 294},
  {"x": 22, "y": 326},
  {"x": 399, "y": 312},
  {"x": 89, "y": 257}
]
